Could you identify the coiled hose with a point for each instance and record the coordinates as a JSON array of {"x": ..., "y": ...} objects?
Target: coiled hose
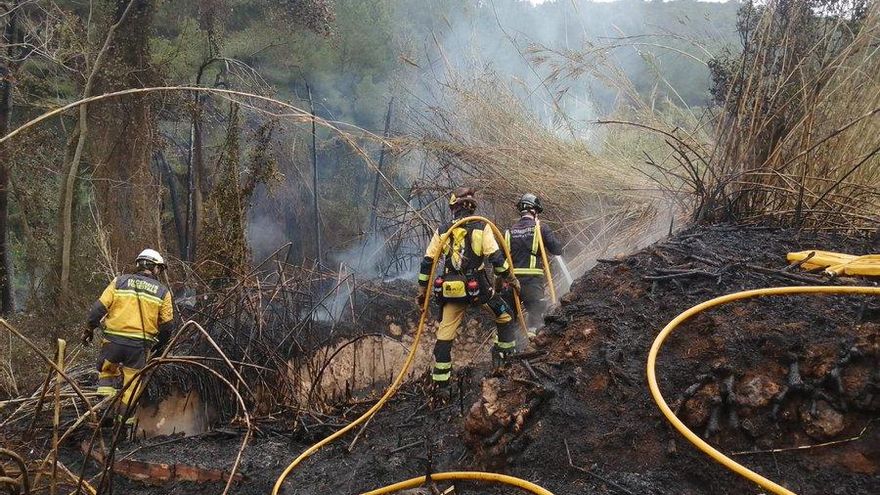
[
  {"x": 707, "y": 449},
  {"x": 392, "y": 389}
]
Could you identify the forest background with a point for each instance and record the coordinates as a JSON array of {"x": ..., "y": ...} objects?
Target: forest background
[{"x": 217, "y": 181}]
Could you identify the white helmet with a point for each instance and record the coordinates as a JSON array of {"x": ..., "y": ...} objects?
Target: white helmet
[{"x": 151, "y": 256}]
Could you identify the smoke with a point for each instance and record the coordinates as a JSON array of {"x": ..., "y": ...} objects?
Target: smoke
[
  {"x": 658, "y": 46},
  {"x": 335, "y": 301},
  {"x": 527, "y": 47},
  {"x": 265, "y": 234},
  {"x": 378, "y": 257},
  {"x": 618, "y": 238}
]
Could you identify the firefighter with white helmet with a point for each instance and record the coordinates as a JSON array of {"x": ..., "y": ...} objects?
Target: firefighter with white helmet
[{"x": 136, "y": 314}]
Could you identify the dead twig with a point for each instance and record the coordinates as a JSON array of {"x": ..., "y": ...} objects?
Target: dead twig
[
  {"x": 794, "y": 266},
  {"x": 691, "y": 273},
  {"x": 808, "y": 447},
  {"x": 407, "y": 446}
]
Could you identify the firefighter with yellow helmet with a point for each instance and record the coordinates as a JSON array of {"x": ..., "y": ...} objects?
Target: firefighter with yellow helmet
[
  {"x": 463, "y": 283},
  {"x": 136, "y": 314}
]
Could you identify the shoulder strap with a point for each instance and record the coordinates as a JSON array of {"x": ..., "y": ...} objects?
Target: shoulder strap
[
  {"x": 468, "y": 255},
  {"x": 536, "y": 238}
]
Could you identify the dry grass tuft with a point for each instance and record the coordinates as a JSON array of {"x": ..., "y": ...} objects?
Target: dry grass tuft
[{"x": 797, "y": 135}]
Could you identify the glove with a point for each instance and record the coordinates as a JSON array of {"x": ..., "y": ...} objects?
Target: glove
[
  {"x": 158, "y": 348},
  {"x": 514, "y": 282},
  {"x": 501, "y": 285},
  {"x": 420, "y": 299},
  {"x": 86, "y": 336}
]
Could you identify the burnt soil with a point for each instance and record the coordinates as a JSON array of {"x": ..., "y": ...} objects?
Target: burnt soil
[{"x": 769, "y": 373}]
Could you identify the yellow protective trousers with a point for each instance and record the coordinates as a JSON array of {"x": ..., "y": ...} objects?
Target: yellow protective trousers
[
  {"x": 117, "y": 365},
  {"x": 450, "y": 322}
]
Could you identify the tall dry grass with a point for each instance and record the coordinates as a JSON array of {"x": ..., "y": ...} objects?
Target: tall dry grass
[
  {"x": 483, "y": 135},
  {"x": 791, "y": 138},
  {"x": 797, "y": 136}
]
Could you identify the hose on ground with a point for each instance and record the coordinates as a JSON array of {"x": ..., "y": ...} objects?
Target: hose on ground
[
  {"x": 462, "y": 475},
  {"x": 699, "y": 443},
  {"x": 392, "y": 389}
]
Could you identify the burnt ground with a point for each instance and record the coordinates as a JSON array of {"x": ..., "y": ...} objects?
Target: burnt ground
[{"x": 762, "y": 374}]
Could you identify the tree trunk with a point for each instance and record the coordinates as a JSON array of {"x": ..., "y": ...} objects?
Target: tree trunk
[
  {"x": 315, "y": 205},
  {"x": 122, "y": 137},
  {"x": 197, "y": 188},
  {"x": 171, "y": 182},
  {"x": 195, "y": 180},
  {"x": 75, "y": 150},
  {"x": 9, "y": 38}
]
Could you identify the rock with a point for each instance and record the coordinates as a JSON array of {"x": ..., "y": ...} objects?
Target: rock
[
  {"x": 477, "y": 423},
  {"x": 856, "y": 379},
  {"x": 825, "y": 424},
  {"x": 519, "y": 419},
  {"x": 756, "y": 391},
  {"x": 395, "y": 329},
  {"x": 490, "y": 390},
  {"x": 698, "y": 408},
  {"x": 542, "y": 339}
]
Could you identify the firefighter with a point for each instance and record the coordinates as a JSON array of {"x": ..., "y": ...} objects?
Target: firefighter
[
  {"x": 464, "y": 283},
  {"x": 527, "y": 262},
  {"x": 137, "y": 316}
]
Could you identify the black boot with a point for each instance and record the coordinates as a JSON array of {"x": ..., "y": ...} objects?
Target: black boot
[
  {"x": 501, "y": 356},
  {"x": 127, "y": 428},
  {"x": 441, "y": 393}
]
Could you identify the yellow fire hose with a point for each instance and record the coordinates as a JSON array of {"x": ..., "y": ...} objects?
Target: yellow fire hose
[
  {"x": 462, "y": 475},
  {"x": 836, "y": 264},
  {"x": 670, "y": 416},
  {"x": 392, "y": 389},
  {"x": 546, "y": 262}
]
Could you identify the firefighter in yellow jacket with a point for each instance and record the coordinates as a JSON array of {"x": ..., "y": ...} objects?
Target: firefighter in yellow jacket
[
  {"x": 137, "y": 316},
  {"x": 463, "y": 283}
]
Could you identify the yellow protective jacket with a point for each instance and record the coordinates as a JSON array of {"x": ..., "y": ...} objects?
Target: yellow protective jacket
[
  {"x": 465, "y": 251},
  {"x": 136, "y": 307}
]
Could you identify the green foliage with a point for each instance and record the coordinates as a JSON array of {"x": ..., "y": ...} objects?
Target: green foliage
[{"x": 223, "y": 245}]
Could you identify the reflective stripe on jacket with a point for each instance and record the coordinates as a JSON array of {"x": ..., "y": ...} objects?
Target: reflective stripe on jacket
[
  {"x": 525, "y": 248},
  {"x": 136, "y": 306},
  {"x": 479, "y": 246}
]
